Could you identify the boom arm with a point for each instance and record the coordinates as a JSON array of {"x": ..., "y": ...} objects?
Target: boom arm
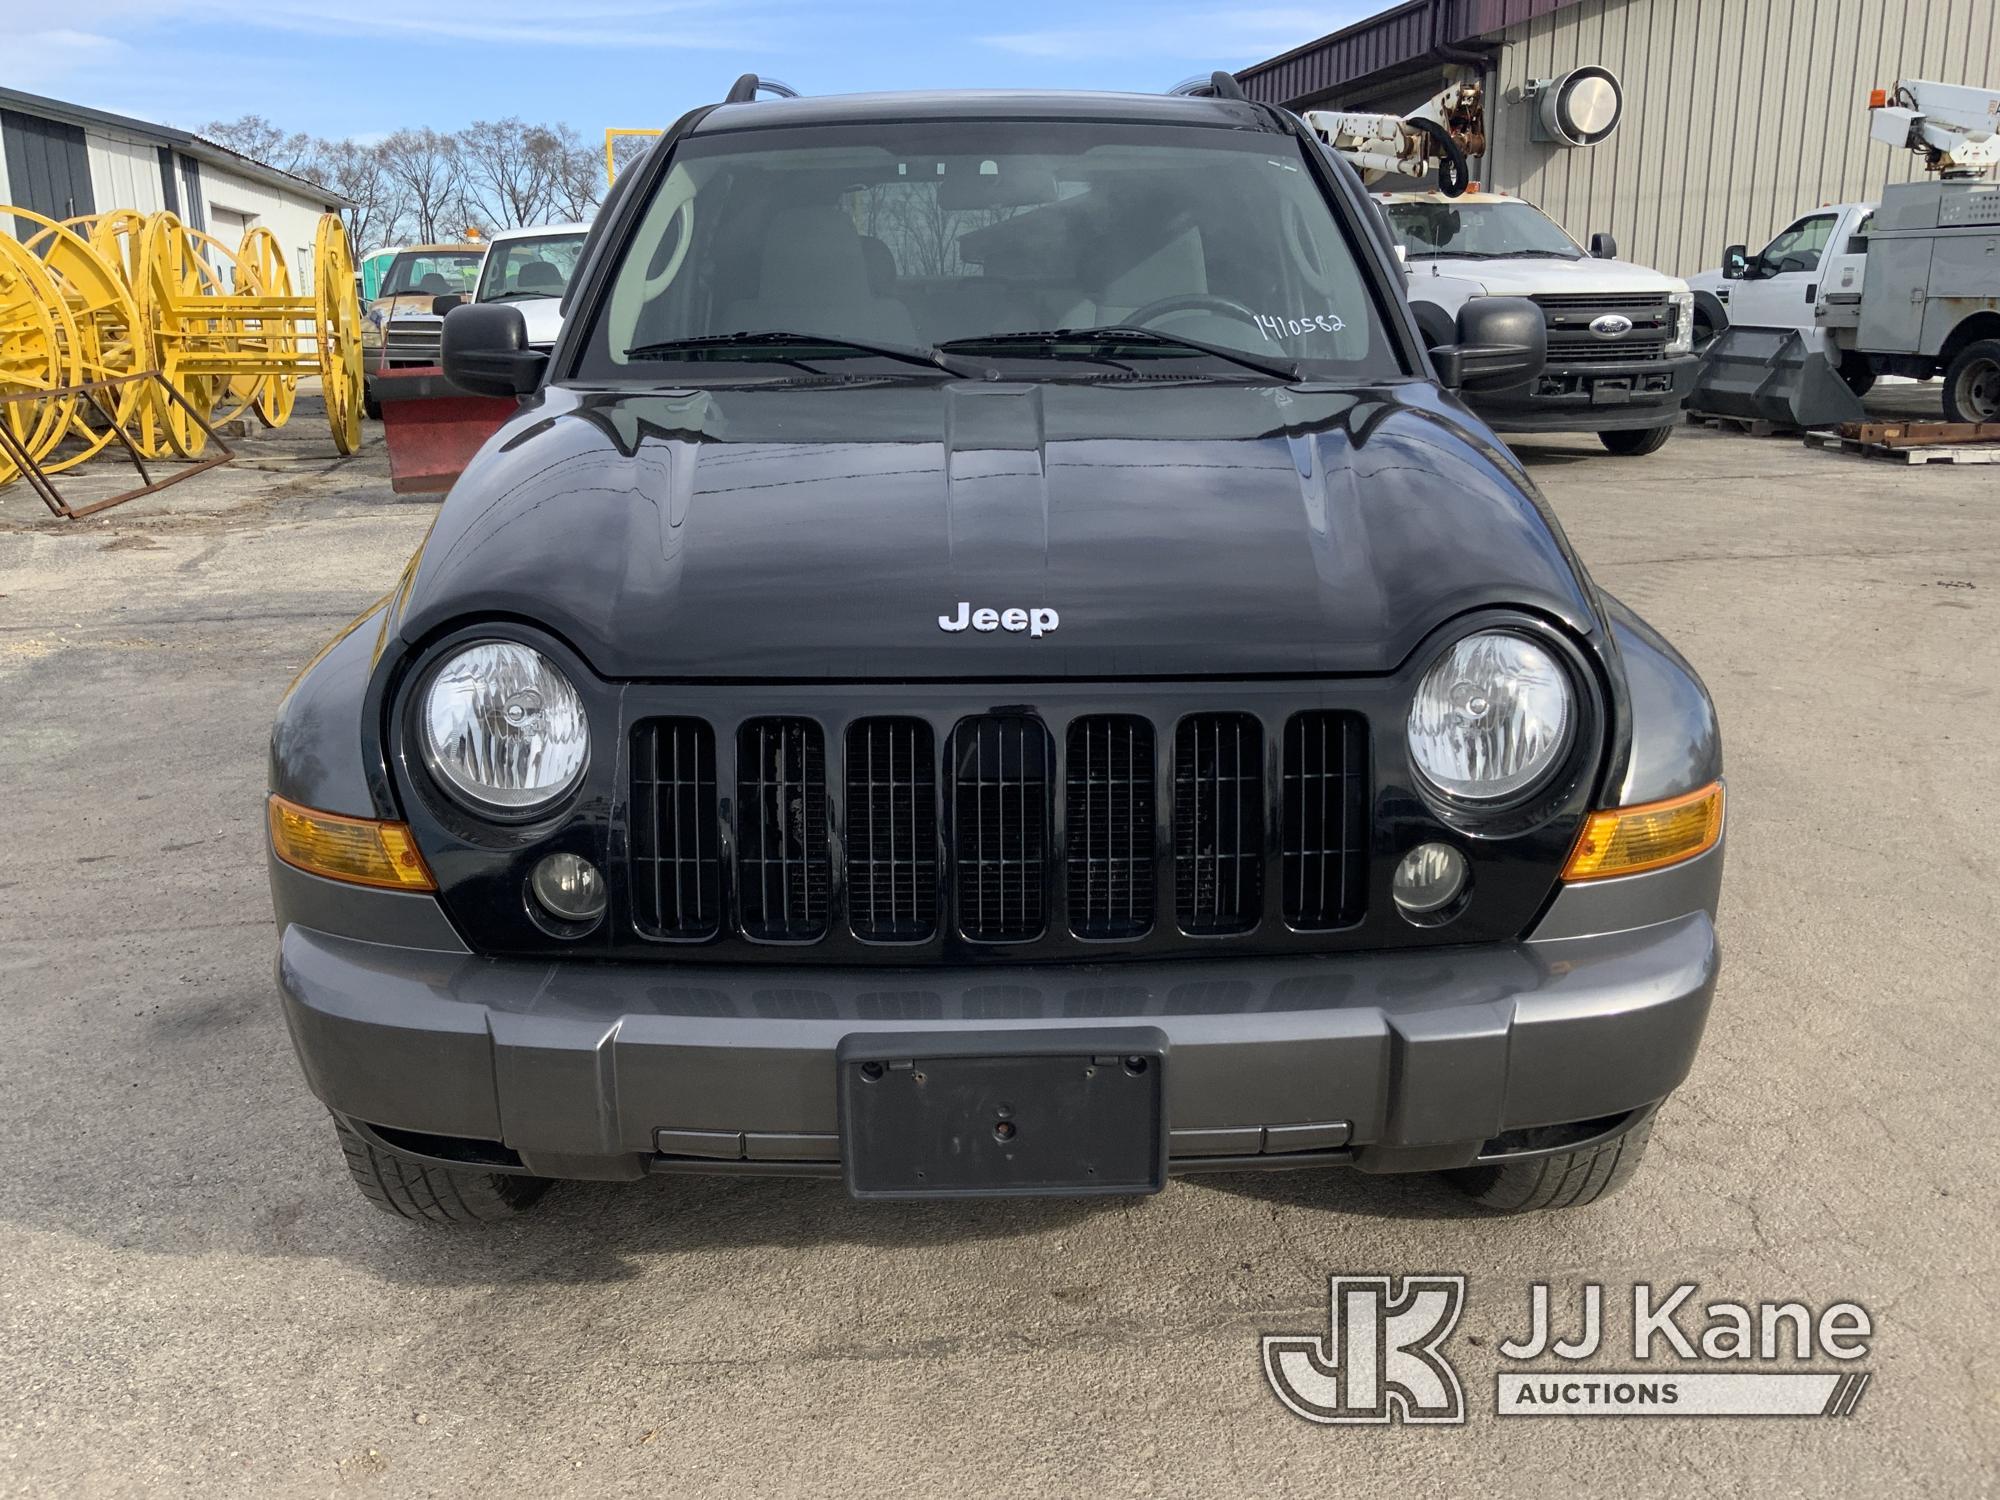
[
  {"x": 1438, "y": 136},
  {"x": 1954, "y": 128}
]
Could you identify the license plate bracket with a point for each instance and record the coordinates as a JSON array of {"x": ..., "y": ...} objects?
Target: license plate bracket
[{"x": 1003, "y": 1114}]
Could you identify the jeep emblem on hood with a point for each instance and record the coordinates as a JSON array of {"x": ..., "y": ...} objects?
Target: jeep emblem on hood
[
  {"x": 1037, "y": 622},
  {"x": 1611, "y": 326}
]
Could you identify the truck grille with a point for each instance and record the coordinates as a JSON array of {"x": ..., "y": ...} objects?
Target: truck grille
[
  {"x": 1570, "y": 314},
  {"x": 676, "y": 865},
  {"x": 1022, "y": 836},
  {"x": 892, "y": 856},
  {"x": 782, "y": 864},
  {"x": 1321, "y": 815},
  {"x": 1000, "y": 820},
  {"x": 1218, "y": 823},
  {"x": 1110, "y": 817},
  {"x": 408, "y": 342}
]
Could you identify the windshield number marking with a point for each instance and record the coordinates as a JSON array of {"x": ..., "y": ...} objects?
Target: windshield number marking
[{"x": 1275, "y": 326}]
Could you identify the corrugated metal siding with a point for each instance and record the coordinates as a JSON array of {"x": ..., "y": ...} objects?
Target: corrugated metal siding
[
  {"x": 1739, "y": 114},
  {"x": 124, "y": 173}
]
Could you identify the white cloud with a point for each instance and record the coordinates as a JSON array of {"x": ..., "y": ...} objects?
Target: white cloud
[{"x": 1219, "y": 36}]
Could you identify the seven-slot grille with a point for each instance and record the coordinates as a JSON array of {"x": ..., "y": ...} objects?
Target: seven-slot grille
[
  {"x": 1570, "y": 314},
  {"x": 410, "y": 342},
  {"x": 676, "y": 866},
  {"x": 781, "y": 859},
  {"x": 1000, "y": 826},
  {"x": 1321, "y": 820},
  {"x": 1218, "y": 823},
  {"x": 892, "y": 853},
  {"x": 881, "y": 867},
  {"x": 1110, "y": 827}
]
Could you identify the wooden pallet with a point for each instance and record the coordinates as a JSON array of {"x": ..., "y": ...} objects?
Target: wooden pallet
[
  {"x": 1989, "y": 454},
  {"x": 1921, "y": 434},
  {"x": 1747, "y": 426}
]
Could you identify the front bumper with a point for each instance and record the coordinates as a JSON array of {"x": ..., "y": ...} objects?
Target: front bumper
[
  {"x": 1388, "y": 1061},
  {"x": 1593, "y": 397}
]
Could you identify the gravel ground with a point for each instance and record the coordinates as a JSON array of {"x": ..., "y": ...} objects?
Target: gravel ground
[{"x": 195, "y": 1300}]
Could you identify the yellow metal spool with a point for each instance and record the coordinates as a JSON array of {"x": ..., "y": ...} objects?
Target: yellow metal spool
[
  {"x": 109, "y": 338},
  {"x": 226, "y": 347},
  {"x": 38, "y": 342}
]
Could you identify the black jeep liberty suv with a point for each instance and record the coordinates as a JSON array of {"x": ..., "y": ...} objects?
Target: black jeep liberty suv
[{"x": 992, "y": 661}]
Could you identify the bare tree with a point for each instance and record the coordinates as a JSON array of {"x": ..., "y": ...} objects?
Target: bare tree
[
  {"x": 358, "y": 174},
  {"x": 427, "y": 168},
  {"x": 257, "y": 138}
]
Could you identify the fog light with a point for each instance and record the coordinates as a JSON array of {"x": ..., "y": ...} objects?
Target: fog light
[
  {"x": 1429, "y": 879},
  {"x": 569, "y": 888}
]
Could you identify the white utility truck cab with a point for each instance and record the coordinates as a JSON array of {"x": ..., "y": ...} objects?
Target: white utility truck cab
[
  {"x": 1621, "y": 336},
  {"x": 531, "y": 268}
]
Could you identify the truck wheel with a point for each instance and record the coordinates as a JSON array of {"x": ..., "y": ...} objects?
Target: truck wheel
[
  {"x": 1568, "y": 1179},
  {"x": 1972, "y": 384},
  {"x": 1636, "y": 443},
  {"x": 1857, "y": 372},
  {"x": 370, "y": 407},
  {"x": 434, "y": 1195}
]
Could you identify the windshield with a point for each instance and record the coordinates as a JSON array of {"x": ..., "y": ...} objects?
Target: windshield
[
  {"x": 431, "y": 273},
  {"x": 964, "y": 232},
  {"x": 537, "y": 267},
  {"x": 1478, "y": 231}
]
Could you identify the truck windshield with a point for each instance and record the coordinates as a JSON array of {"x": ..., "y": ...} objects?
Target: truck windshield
[
  {"x": 1478, "y": 231},
  {"x": 432, "y": 273},
  {"x": 994, "y": 236},
  {"x": 533, "y": 266}
]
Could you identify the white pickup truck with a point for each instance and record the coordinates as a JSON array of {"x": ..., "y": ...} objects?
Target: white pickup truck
[
  {"x": 1621, "y": 335},
  {"x": 1909, "y": 286}
]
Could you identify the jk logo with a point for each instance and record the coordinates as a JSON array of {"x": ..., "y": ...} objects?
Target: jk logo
[{"x": 1380, "y": 1359}]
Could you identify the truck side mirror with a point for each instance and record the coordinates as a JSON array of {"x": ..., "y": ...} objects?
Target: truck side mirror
[
  {"x": 486, "y": 350},
  {"x": 1502, "y": 341},
  {"x": 441, "y": 306},
  {"x": 1735, "y": 262},
  {"x": 1604, "y": 245}
]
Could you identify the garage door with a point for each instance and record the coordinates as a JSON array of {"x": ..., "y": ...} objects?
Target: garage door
[{"x": 48, "y": 169}]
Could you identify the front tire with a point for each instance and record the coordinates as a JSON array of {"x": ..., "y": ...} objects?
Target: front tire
[
  {"x": 433, "y": 1195},
  {"x": 1636, "y": 442},
  {"x": 1857, "y": 372},
  {"x": 1972, "y": 384},
  {"x": 1567, "y": 1179}
]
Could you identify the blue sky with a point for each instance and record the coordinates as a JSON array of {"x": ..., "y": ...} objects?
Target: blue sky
[{"x": 366, "y": 67}]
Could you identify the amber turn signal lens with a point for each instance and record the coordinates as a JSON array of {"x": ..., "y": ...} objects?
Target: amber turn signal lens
[
  {"x": 1631, "y": 840},
  {"x": 359, "y": 851}
]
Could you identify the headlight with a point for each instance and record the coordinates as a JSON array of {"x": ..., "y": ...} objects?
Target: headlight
[
  {"x": 1491, "y": 718},
  {"x": 1683, "y": 324},
  {"x": 503, "y": 729}
]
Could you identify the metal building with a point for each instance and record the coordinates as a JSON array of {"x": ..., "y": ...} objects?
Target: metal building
[
  {"x": 1738, "y": 115},
  {"x": 60, "y": 160}
]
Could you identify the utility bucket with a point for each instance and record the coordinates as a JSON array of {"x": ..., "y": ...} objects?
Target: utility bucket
[{"x": 1779, "y": 376}]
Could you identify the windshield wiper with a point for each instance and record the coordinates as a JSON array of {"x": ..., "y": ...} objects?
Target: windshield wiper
[
  {"x": 510, "y": 296},
  {"x": 1285, "y": 370},
  {"x": 779, "y": 339},
  {"x": 1545, "y": 255}
]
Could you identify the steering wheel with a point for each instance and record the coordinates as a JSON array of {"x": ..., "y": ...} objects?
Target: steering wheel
[{"x": 1139, "y": 317}]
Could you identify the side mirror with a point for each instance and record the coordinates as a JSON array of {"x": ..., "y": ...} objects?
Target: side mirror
[
  {"x": 1604, "y": 246},
  {"x": 486, "y": 350},
  {"x": 1502, "y": 341},
  {"x": 1735, "y": 262},
  {"x": 441, "y": 306}
]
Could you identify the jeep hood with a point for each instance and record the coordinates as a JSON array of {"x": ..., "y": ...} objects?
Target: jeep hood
[
  {"x": 808, "y": 530},
  {"x": 1537, "y": 277}
]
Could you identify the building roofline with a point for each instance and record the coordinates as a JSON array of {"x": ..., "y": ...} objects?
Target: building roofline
[
  {"x": 1384, "y": 45},
  {"x": 199, "y": 147}
]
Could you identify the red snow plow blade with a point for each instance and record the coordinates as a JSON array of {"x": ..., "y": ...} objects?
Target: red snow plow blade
[{"x": 433, "y": 427}]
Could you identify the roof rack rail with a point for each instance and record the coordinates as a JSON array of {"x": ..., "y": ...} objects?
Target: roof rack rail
[
  {"x": 1218, "y": 85},
  {"x": 746, "y": 89}
]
